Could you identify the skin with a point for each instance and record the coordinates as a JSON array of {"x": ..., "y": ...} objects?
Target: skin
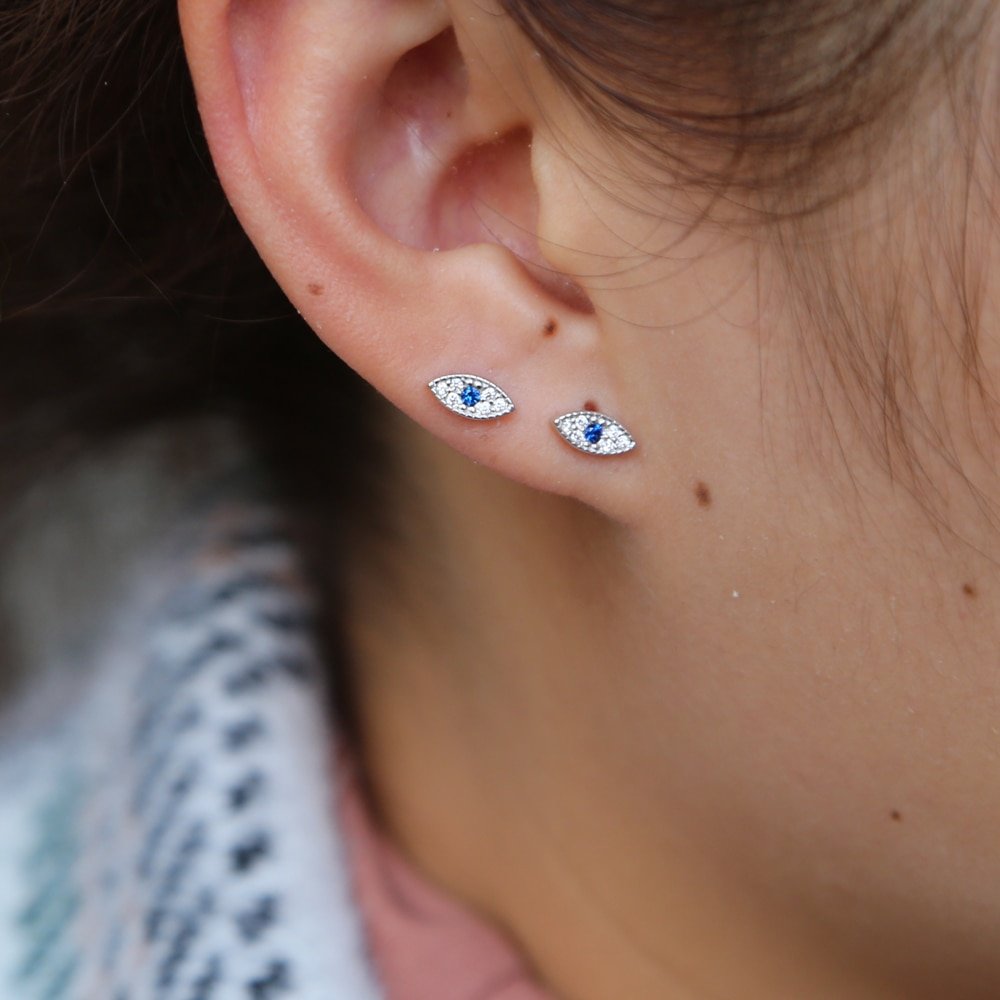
[{"x": 716, "y": 719}]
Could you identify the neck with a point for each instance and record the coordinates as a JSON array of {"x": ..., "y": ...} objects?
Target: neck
[{"x": 514, "y": 753}]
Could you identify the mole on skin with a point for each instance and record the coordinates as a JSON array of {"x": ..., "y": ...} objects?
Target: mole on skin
[
  {"x": 896, "y": 815},
  {"x": 314, "y": 288},
  {"x": 703, "y": 494},
  {"x": 969, "y": 590},
  {"x": 550, "y": 327}
]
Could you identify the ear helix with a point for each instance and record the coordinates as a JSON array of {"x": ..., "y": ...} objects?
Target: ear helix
[{"x": 477, "y": 398}]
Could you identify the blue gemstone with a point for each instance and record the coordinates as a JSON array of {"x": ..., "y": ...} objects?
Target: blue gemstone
[
  {"x": 593, "y": 432},
  {"x": 470, "y": 395}
]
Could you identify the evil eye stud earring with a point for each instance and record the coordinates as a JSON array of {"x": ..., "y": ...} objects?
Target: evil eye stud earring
[
  {"x": 594, "y": 433},
  {"x": 471, "y": 396}
]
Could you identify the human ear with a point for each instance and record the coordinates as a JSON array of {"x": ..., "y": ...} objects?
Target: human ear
[{"x": 377, "y": 155}]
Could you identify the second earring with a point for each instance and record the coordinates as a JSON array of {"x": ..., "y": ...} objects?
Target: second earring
[{"x": 595, "y": 433}]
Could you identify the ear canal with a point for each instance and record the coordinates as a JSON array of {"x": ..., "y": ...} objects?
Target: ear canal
[
  {"x": 435, "y": 173},
  {"x": 406, "y": 141}
]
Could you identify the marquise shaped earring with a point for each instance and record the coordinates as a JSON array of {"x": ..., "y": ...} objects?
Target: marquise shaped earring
[
  {"x": 594, "y": 433},
  {"x": 471, "y": 396}
]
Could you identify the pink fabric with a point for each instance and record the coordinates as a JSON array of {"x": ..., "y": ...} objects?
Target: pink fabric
[{"x": 425, "y": 944}]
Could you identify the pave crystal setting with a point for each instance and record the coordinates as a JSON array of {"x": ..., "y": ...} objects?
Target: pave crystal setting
[
  {"x": 594, "y": 433},
  {"x": 471, "y": 396}
]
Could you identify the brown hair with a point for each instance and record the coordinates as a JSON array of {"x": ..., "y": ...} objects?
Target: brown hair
[
  {"x": 128, "y": 292},
  {"x": 758, "y": 96},
  {"x": 130, "y": 296},
  {"x": 778, "y": 109}
]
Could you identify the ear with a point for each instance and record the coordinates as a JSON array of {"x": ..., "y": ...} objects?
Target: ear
[{"x": 375, "y": 154}]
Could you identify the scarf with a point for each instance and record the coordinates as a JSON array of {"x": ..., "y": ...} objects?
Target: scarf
[{"x": 165, "y": 802}]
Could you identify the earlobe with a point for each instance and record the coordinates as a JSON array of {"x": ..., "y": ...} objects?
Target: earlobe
[{"x": 385, "y": 178}]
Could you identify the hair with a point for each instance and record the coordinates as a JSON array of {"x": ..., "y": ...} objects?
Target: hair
[
  {"x": 129, "y": 295},
  {"x": 755, "y": 96},
  {"x": 777, "y": 110},
  {"x": 130, "y": 298},
  {"x": 128, "y": 292}
]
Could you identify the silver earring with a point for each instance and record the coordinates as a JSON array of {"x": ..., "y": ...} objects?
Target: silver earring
[
  {"x": 471, "y": 396},
  {"x": 594, "y": 433}
]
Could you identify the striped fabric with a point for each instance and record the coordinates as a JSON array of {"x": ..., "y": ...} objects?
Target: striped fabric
[{"x": 165, "y": 808}]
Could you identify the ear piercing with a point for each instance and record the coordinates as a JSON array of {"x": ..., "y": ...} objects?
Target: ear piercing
[
  {"x": 594, "y": 433},
  {"x": 479, "y": 399},
  {"x": 471, "y": 396}
]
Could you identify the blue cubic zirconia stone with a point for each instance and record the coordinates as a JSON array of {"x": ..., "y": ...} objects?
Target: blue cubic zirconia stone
[
  {"x": 470, "y": 395},
  {"x": 593, "y": 432}
]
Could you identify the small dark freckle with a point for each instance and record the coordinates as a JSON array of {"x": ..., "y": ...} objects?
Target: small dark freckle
[
  {"x": 702, "y": 494},
  {"x": 896, "y": 816},
  {"x": 550, "y": 328},
  {"x": 590, "y": 406},
  {"x": 969, "y": 590},
  {"x": 314, "y": 288}
]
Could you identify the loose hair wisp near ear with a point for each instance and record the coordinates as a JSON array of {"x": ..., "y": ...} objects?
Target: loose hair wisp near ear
[
  {"x": 755, "y": 97},
  {"x": 776, "y": 112}
]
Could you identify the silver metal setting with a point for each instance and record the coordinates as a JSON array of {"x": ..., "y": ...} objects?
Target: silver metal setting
[
  {"x": 594, "y": 433},
  {"x": 489, "y": 403}
]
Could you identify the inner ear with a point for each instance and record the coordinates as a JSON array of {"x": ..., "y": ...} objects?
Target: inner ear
[{"x": 428, "y": 176}]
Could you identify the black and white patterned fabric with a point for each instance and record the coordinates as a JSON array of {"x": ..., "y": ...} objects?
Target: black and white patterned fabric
[{"x": 167, "y": 810}]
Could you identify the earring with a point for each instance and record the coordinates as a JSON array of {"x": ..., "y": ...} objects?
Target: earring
[
  {"x": 471, "y": 396},
  {"x": 594, "y": 433}
]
